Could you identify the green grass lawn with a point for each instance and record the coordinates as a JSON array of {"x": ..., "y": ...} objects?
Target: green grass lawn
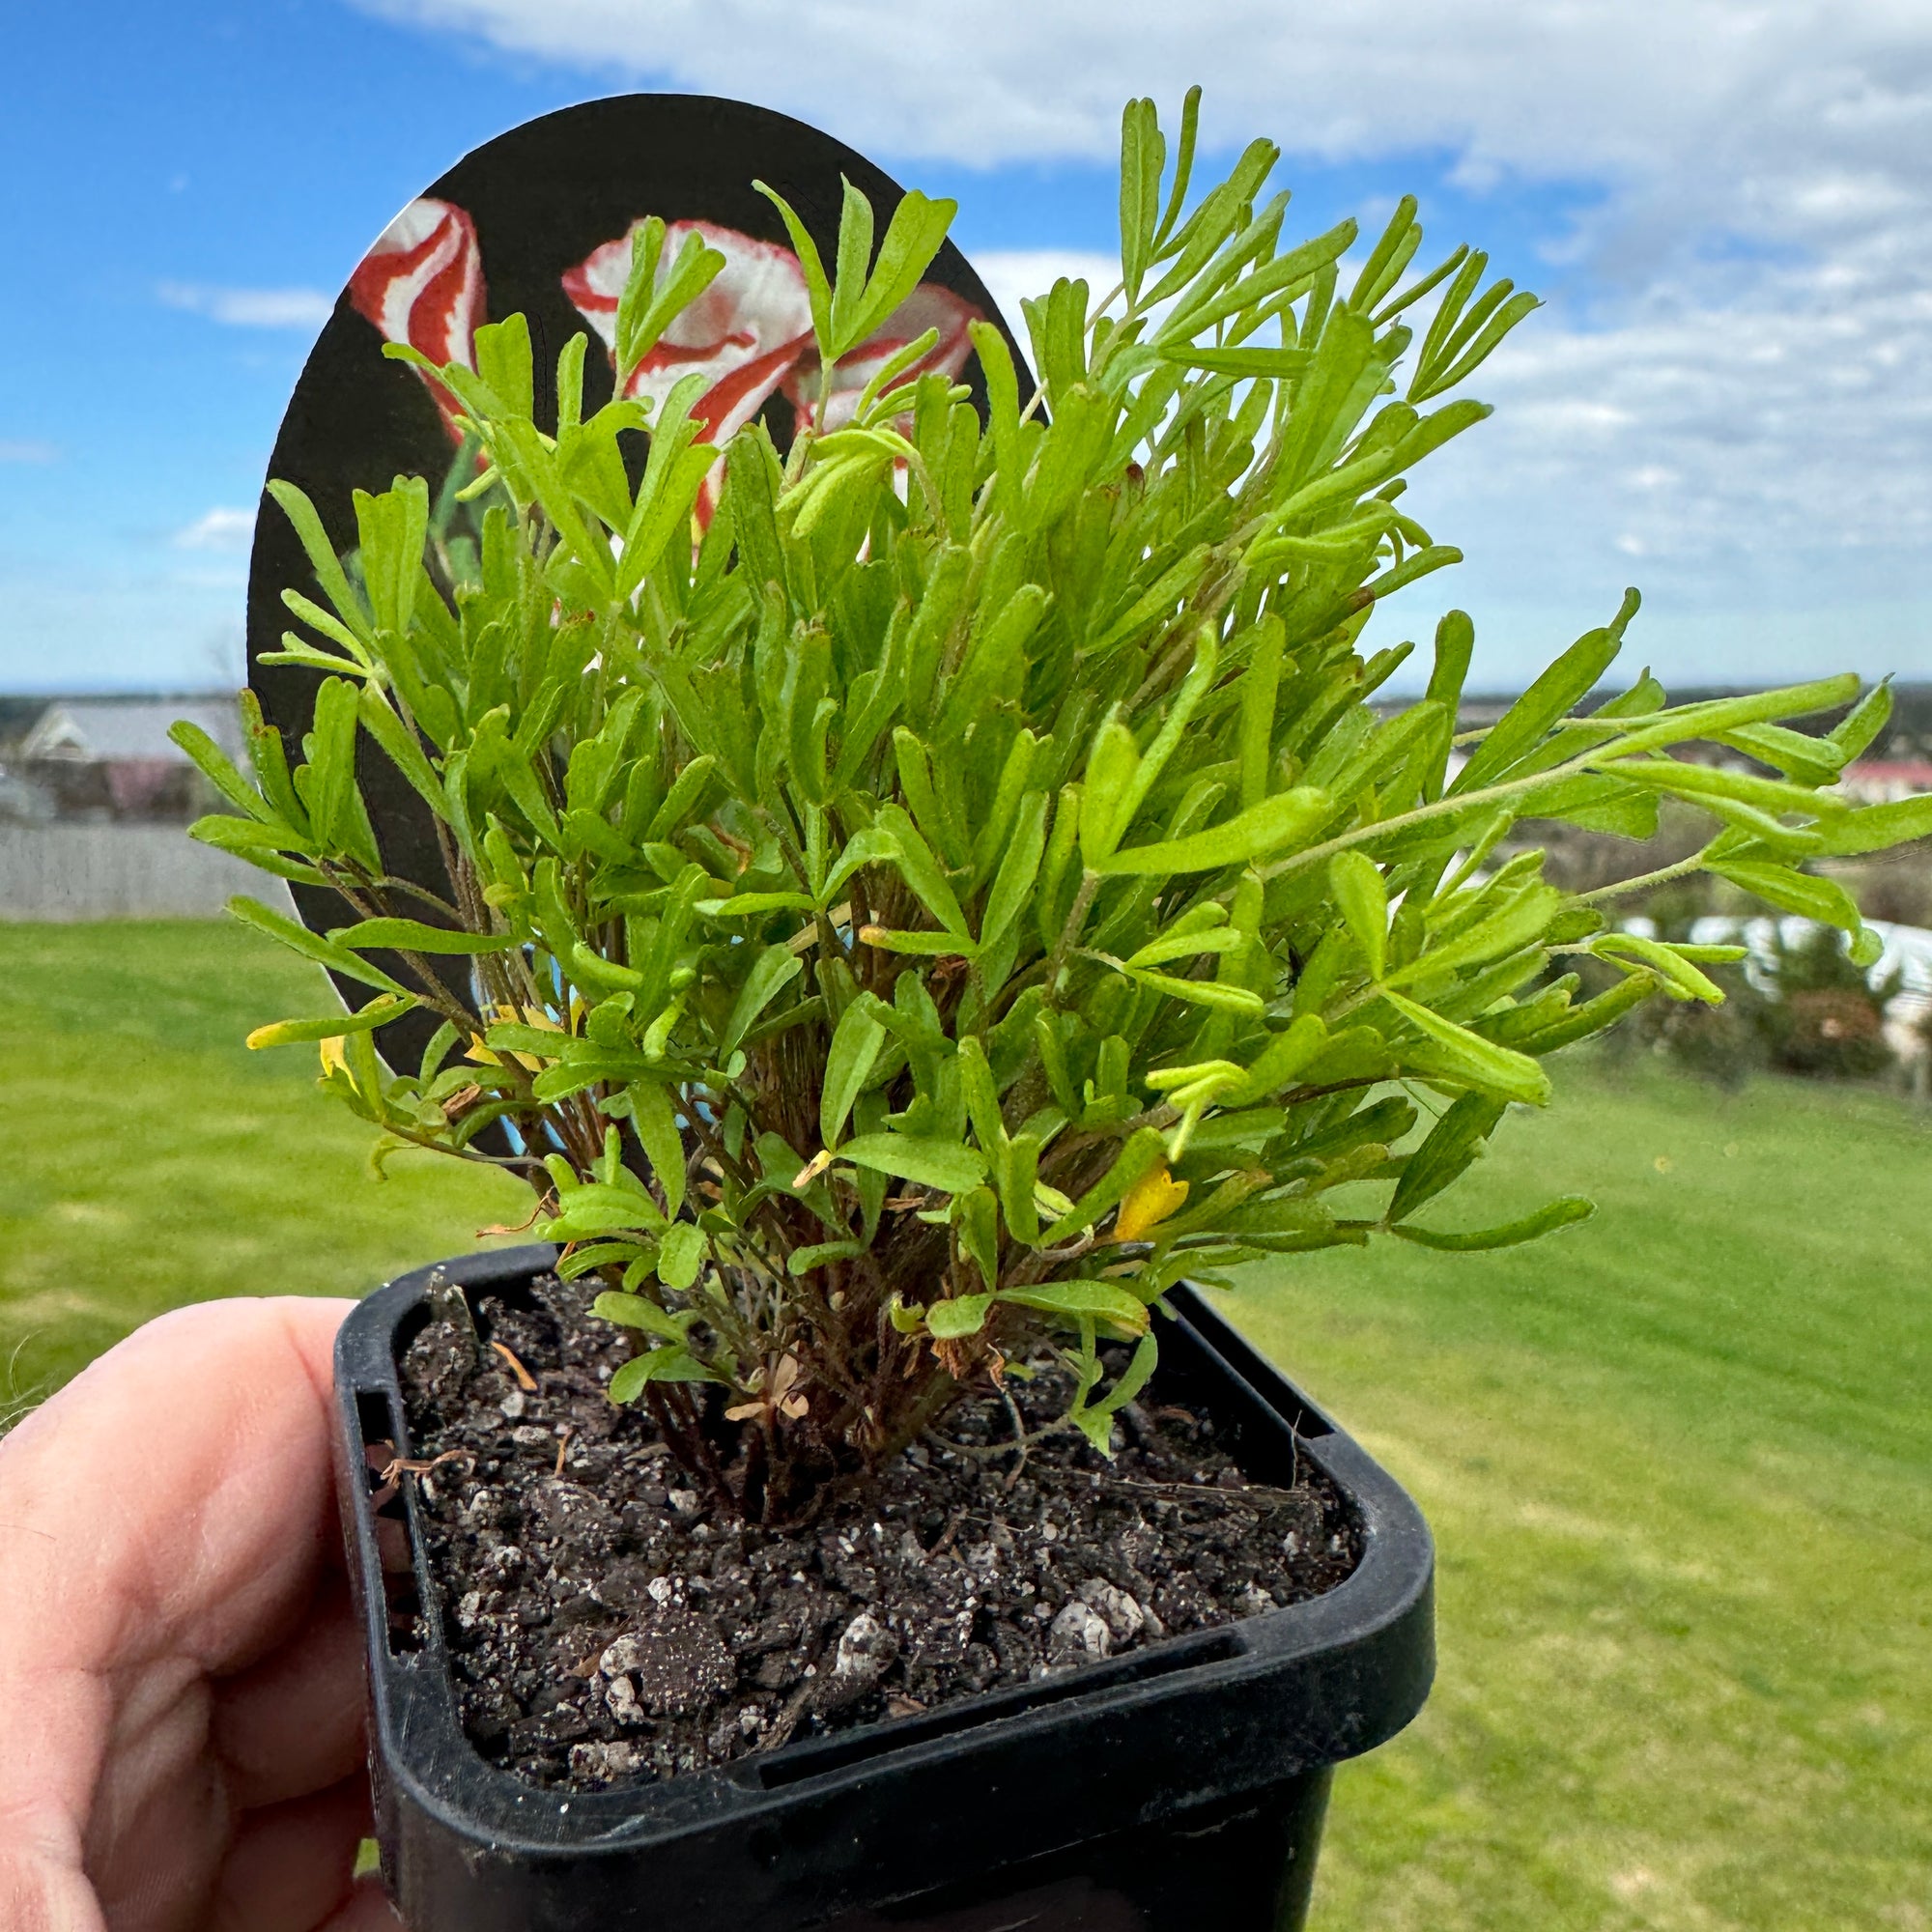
[
  {"x": 152, "y": 1159},
  {"x": 1679, "y": 1467},
  {"x": 1679, "y": 1462}
]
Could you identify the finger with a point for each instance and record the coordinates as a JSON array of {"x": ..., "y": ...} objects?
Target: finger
[
  {"x": 292, "y": 1866},
  {"x": 368, "y": 1911},
  {"x": 39, "y": 1892},
  {"x": 294, "y": 1723},
  {"x": 171, "y": 1509}
]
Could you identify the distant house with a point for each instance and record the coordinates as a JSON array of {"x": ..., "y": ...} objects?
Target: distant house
[
  {"x": 1882, "y": 781},
  {"x": 111, "y": 757}
]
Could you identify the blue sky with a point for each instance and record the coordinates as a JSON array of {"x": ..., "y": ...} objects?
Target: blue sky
[{"x": 1727, "y": 400}]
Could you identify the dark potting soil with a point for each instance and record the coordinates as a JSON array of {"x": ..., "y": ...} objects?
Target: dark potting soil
[{"x": 610, "y": 1623}]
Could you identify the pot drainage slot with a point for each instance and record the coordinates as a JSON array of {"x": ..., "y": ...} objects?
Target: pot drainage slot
[
  {"x": 389, "y": 1514},
  {"x": 814, "y": 1758}
]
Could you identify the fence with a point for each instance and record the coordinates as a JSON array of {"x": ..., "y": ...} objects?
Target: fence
[{"x": 119, "y": 871}]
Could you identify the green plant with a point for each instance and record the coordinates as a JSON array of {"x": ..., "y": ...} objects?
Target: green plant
[
  {"x": 1726, "y": 1043},
  {"x": 1821, "y": 1013},
  {"x": 902, "y": 929},
  {"x": 1801, "y": 1004}
]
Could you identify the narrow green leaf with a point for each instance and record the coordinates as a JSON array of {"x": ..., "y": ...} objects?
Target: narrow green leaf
[
  {"x": 1261, "y": 684},
  {"x": 1465, "y": 365},
  {"x": 509, "y": 1036},
  {"x": 660, "y": 1365},
  {"x": 753, "y": 905},
  {"x": 1019, "y": 866},
  {"x": 654, "y": 1116},
  {"x": 328, "y": 570},
  {"x": 312, "y": 946},
  {"x": 215, "y": 766},
  {"x": 1183, "y": 168},
  {"x": 1186, "y": 944},
  {"x": 329, "y": 775},
  {"x": 1262, "y": 830},
  {"x": 1110, "y": 772},
  {"x": 1855, "y": 732},
  {"x": 1552, "y": 696},
  {"x": 656, "y": 297},
  {"x": 1701, "y": 782},
  {"x": 411, "y": 935},
  {"x": 925, "y": 1161},
  {"x": 1564, "y": 1213},
  {"x": 976, "y": 1221},
  {"x": 253, "y": 839},
  {"x": 1524, "y": 919},
  {"x": 775, "y": 967},
  {"x": 856, "y": 1041},
  {"x": 913, "y": 238},
  {"x": 1134, "y": 1378},
  {"x": 817, "y": 286},
  {"x": 1356, "y": 881},
  {"x": 1718, "y": 715},
  {"x": 871, "y": 845},
  {"x": 801, "y": 1261},
  {"x": 1284, "y": 1056},
  {"x": 1078, "y": 1300},
  {"x": 1446, "y": 1152},
  {"x": 922, "y": 944},
  {"x": 680, "y": 1255},
  {"x": 1143, "y": 156},
  {"x": 1593, "y": 1017},
  {"x": 405, "y": 751},
  {"x": 1271, "y": 364},
  {"x": 379, "y": 1011},
  {"x": 636, "y": 1310},
  {"x": 1003, "y": 399},
  {"x": 1470, "y": 1058},
  {"x": 1215, "y": 993},
  {"x": 1802, "y": 892},
  {"x": 1668, "y": 962},
  {"x": 923, "y": 872},
  {"x": 1017, "y": 1170},
  {"x": 957, "y": 1316},
  {"x": 1878, "y": 826}
]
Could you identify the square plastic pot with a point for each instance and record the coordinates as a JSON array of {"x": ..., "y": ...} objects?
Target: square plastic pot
[{"x": 1178, "y": 1788}]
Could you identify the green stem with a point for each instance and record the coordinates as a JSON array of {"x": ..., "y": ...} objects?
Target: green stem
[
  {"x": 1645, "y": 880},
  {"x": 1076, "y": 917},
  {"x": 1442, "y": 807}
]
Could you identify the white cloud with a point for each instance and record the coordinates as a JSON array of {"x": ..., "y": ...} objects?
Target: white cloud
[
  {"x": 26, "y": 449},
  {"x": 1597, "y": 85},
  {"x": 219, "y": 529},
  {"x": 1737, "y": 387},
  {"x": 1785, "y": 433},
  {"x": 1011, "y": 273},
  {"x": 250, "y": 308}
]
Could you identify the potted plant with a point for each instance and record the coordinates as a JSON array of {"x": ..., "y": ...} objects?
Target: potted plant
[{"x": 916, "y": 899}]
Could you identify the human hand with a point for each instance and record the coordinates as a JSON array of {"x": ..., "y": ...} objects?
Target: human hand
[{"x": 180, "y": 1673}]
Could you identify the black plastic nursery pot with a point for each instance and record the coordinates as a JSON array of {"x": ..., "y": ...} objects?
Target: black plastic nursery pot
[{"x": 1177, "y": 1788}]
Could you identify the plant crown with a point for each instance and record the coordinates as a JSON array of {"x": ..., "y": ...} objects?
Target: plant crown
[{"x": 970, "y": 890}]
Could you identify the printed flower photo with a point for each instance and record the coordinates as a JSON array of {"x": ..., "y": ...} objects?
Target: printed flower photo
[{"x": 749, "y": 335}]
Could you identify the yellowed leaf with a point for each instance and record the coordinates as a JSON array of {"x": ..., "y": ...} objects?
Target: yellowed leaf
[{"x": 1150, "y": 1201}]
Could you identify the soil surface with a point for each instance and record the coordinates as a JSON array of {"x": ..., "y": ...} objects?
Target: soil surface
[{"x": 611, "y": 1624}]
